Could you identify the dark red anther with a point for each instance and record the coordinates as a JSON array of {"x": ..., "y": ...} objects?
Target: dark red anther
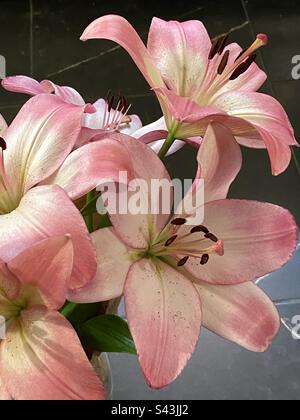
[
  {"x": 223, "y": 44},
  {"x": 179, "y": 221},
  {"x": 182, "y": 262},
  {"x": 200, "y": 229},
  {"x": 212, "y": 237},
  {"x": 204, "y": 259},
  {"x": 223, "y": 63},
  {"x": 171, "y": 240},
  {"x": 242, "y": 68},
  {"x": 2, "y": 144},
  {"x": 214, "y": 48},
  {"x": 110, "y": 103}
]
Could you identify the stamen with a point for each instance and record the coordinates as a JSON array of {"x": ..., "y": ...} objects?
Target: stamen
[
  {"x": 3, "y": 145},
  {"x": 171, "y": 240},
  {"x": 224, "y": 62},
  {"x": 223, "y": 44},
  {"x": 111, "y": 103},
  {"x": 212, "y": 237},
  {"x": 179, "y": 221},
  {"x": 242, "y": 68},
  {"x": 204, "y": 259},
  {"x": 200, "y": 229},
  {"x": 182, "y": 262},
  {"x": 215, "y": 48}
]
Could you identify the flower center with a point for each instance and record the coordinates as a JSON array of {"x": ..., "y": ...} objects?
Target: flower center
[
  {"x": 182, "y": 242},
  {"x": 118, "y": 118},
  {"x": 222, "y": 67}
]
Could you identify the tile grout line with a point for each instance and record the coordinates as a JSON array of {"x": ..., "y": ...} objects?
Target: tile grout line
[
  {"x": 31, "y": 38},
  {"x": 270, "y": 83}
]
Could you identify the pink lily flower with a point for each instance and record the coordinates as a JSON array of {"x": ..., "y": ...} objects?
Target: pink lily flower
[
  {"x": 99, "y": 116},
  {"x": 39, "y": 178},
  {"x": 198, "y": 82},
  {"x": 176, "y": 277},
  {"x": 41, "y": 357},
  {"x": 101, "y": 119}
]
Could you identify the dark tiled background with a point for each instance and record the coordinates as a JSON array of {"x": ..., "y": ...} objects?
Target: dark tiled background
[{"x": 41, "y": 38}]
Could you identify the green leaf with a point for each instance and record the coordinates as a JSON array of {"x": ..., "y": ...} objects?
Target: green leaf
[
  {"x": 108, "y": 333},
  {"x": 79, "y": 314},
  {"x": 90, "y": 206}
]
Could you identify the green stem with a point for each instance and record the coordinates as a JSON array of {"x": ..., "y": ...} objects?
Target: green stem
[
  {"x": 89, "y": 219},
  {"x": 167, "y": 144},
  {"x": 68, "y": 309}
]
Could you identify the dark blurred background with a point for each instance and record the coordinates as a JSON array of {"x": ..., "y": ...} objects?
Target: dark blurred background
[{"x": 40, "y": 38}]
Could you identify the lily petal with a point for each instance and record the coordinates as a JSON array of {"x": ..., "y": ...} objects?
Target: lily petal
[
  {"x": 164, "y": 315},
  {"x": 220, "y": 160},
  {"x": 37, "y": 219},
  {"x": 65, "y": 93},
  {"x": 258, "y": 239},
  {"x": 50, "y": 272},
  {"x": 23, "y": 84},
  {"x": 175, "y": 46},
  {"x": 42, "y": 359},
  {"x": 242, "y": 313},
  {"x": 117, "y": 29},
  {"x": 113, "y": 266},
  {"x": 39, "y": 140},
  {"x": 89, "y": 166},
  {"x": 267, "y": 116},
  {"x": 136, "y": 230}
]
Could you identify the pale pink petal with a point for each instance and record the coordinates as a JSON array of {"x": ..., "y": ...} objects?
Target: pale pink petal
[
  {"x": 241, "y": 313},
  {"x": 220, "y": 160},
  {"x": 44, "y": 212},
  {"x": 258, "y": 238},
  {"x": 113, "y": 264},
  {"x": 164, "y": 315},
  {"x": 4, "y": 395},
  {"x": 134, "y": 125},
  {"x": 39, "y": 139},
  {"x": 251, "y": 80},
  {"x": 42, "y": 359},
  {"x": 3, "y": 125},
  {"x": 48, "y": 266},
  {"x": 267, "y": 116},
  {"x": 22, "y": 84},
  {"x": 186, "y": 110},
  {"x": 180, "y": 52},
  {"x": 65, "y": 93},
  {"x": 136, "y": 230},
  {"x": 119, "y": 30},
  {"x": 280, "y": 153},
  {"x": 91, "y": 165}
]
